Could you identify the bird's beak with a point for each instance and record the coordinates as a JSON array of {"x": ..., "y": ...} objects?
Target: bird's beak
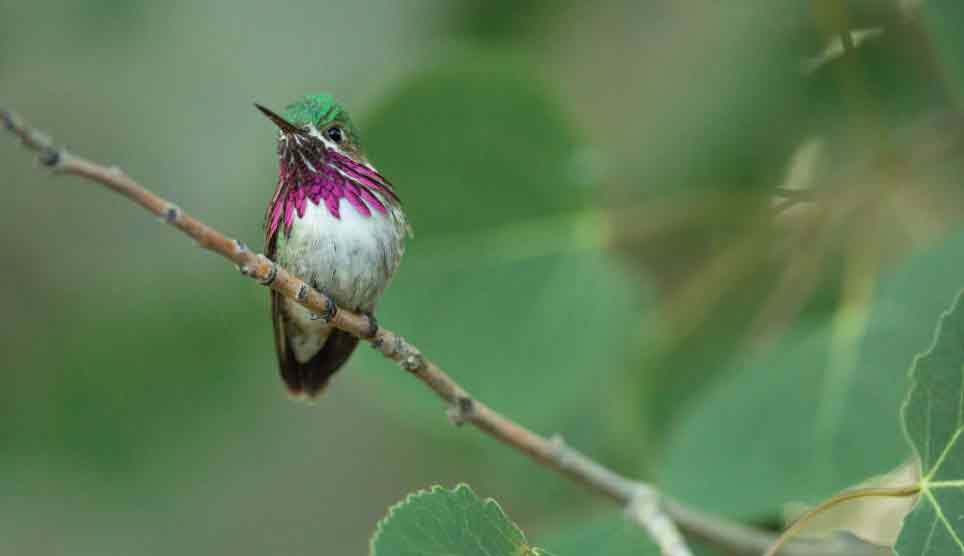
[{"x": 284, "y": 125}]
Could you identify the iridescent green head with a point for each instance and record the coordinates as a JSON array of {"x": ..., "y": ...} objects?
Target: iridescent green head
[
  {"x": 319, "y": 110},
  {"x": 320, "y": 115}
]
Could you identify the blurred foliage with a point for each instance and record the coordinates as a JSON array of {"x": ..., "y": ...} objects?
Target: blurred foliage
[
  {"x": 702, "y": 241},
  {"x": 739, "y": 269},
  {"x": 138, "y": 418},
  {"x": 517, "y": 275},
  {"x": 830, "y": 402},
  {"x": 502, "y": 21},
  {"x": 610, "y": 534},
  {"x": 946, "y": 42}
]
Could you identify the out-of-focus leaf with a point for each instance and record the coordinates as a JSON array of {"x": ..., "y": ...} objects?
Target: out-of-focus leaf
[
  {"x": 506, "y": 284},
  {"x": 137, "y": 383},
  {"x": 610, "y": 534},
  {"x": 706, "y": 144},
  {"x": 810, "y": 417},
  {"x": 441, "y": 521},
  {"x": 702, "y": 221},
  {"x": 933, "y": 417},
  {"x": 506, "y": 20},
  {"x": 946, "y": 39}
]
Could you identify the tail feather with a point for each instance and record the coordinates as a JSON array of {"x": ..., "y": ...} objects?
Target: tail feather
[{"x": 312, "y": 376}]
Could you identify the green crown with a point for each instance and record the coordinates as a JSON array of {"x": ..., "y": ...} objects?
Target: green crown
[{"x": 319, "y": 109}]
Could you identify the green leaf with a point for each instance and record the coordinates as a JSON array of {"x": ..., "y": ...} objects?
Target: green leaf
[
  {"x": 946, "y": 39},
  {"x": 609, "y": 533},
  {"x": 796, "y": 424},
  {"x": 164, "y": 368},
  {"x": 440, "y": 521},
  {"x": 933, "y": 417}
]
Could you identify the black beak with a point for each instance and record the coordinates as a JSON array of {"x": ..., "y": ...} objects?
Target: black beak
[{"x": 284, "y": 125}]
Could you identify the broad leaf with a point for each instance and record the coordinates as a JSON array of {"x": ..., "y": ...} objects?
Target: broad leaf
[
  {"x": 609, "y": 533},
  {"x": 798, "y": 424},
  {"x": 933, "y": 417},
  {"x": 441, "y": 521},
  {"x": 506, "y": 284},
  {"x": 946, "y": 39}
]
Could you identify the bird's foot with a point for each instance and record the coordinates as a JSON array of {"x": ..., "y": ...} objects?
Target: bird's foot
[
  {"x": 329, "y": 313},
  {"x": 372, "y": 326}
]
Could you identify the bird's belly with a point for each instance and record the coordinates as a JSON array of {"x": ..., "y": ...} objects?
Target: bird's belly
[{"x": 351, "y": 258}]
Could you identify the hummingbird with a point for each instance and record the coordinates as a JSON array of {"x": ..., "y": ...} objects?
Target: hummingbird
[{"x": 335, "y": 222}]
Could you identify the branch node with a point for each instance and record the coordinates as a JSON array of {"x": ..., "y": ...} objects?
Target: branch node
[
  {"x": 170, "y": 214},
  {"x": 49, "y": 157},
  {"x": 558, "y": 442},
  {"x": 645, "y": 509},
  {"x": 559, "y": 447},
  {"x": 239, "y": 247},
  {"x": 115, "y": 171},
  {"x": 413, "y": 362},
  {"x": 461, "y": 411},
  {"x": 272, "y": 274},
  {"x": 644, "y": 502},
  {"x": 407, "y": 356},
  {"x": 561, "y": 451},
  {"x": 302, "y": 292}
]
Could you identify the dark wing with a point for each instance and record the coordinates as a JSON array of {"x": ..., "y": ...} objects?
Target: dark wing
[{"x": 286, "y": 359}]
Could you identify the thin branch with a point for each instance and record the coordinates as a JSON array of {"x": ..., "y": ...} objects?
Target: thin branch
[{"x": 644, "y": 505}]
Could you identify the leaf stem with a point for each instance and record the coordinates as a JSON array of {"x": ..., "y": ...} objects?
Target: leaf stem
[{"x": 846, "y": 496}]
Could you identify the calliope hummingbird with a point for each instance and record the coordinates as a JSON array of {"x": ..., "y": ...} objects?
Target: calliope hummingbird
[{"x": 334, "y": 222}]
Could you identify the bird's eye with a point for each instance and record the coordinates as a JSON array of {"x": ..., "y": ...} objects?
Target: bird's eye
[{"x": 335, "y": 134}]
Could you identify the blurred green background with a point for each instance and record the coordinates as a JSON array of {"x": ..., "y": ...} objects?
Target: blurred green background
[{"x": 599, "y": 253}]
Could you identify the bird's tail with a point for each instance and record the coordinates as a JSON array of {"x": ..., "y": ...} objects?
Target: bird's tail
[{"x": 312, "y": 376}]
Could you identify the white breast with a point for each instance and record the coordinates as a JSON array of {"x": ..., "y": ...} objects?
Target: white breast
[{"x": 351, "y": 258}]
